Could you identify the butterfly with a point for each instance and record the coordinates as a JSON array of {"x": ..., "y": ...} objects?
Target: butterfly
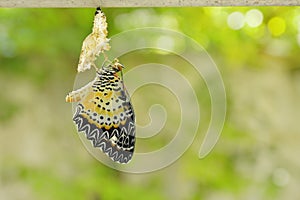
[{"x": 105, "y": 114}]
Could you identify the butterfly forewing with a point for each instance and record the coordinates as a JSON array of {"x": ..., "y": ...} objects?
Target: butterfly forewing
[{"x": 106, "y": 116}]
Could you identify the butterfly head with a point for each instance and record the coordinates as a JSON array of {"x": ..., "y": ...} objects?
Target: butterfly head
[
  {"x": 113, "y": 68},
  {"x": 116, "y": 66}
]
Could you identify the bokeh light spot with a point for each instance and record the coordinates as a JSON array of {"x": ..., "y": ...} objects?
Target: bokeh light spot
[
  {"x": 236, "y": 20},
  {"x": 169, "y": 22},
  {"x": 254, "y": 18},
  {"x": 281, "y": 177},
  {"x": 276, "y": 26}
]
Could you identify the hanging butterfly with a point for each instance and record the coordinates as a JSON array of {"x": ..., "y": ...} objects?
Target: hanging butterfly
[{"x": 104, "y": 113}]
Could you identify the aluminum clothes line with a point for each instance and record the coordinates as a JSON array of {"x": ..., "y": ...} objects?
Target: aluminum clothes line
[{"x": 141, "y": 3}]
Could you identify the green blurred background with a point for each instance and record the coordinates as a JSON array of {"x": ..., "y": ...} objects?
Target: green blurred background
[{"x": 257, "y": 157}]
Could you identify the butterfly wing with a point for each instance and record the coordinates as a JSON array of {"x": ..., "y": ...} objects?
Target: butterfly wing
[{"x": 107, "y": 118}]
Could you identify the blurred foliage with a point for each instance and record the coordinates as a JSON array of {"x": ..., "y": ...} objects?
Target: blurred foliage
[{"x": 256, "y": 157}]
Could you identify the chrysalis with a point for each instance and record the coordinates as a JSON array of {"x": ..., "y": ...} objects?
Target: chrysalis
[{"x": 95, "y": 43}]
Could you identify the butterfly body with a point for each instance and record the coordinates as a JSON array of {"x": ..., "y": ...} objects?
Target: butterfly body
[{"x": 104, "y": 113}]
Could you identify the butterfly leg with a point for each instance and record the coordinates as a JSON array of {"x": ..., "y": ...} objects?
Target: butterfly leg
[{"x": 94, "y": 65}]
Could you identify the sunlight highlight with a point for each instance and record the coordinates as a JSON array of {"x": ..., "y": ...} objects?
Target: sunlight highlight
[
  {"x": 236, "y": 20},
  {"x": 254, "y": 18},
  {"x": 277, "y": 26}
]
